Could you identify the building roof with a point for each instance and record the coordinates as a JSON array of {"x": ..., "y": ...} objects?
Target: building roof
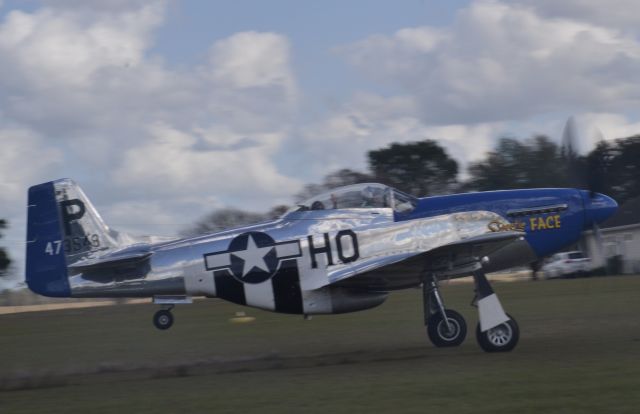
[{"x": 628, "y": 213}]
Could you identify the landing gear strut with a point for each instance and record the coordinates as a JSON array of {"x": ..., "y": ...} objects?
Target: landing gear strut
[
  {"x": 496, "y": 331},
  {"x": 163, "y": 319},
  {"x": 445, "y": 327}
]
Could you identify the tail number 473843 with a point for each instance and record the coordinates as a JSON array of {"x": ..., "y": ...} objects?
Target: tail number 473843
[{"x": 72, "y": 244}]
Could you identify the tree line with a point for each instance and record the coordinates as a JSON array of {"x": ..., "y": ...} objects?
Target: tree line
[
  {"x": 425, "y": 168},
  {"x": 5, "y": 261}
]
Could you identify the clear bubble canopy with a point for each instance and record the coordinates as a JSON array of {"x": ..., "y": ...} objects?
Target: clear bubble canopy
[{"x": 365, "y": 195}]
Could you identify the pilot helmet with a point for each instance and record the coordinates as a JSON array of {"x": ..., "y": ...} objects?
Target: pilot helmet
[{"x": 368, "y": 193}]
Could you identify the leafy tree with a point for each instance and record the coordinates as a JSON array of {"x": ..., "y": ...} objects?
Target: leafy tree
[
  {"x": 5, "y": 261},
  {"x": 533, "y": 163},
  {"x": 276, "y": 212},
  {"x": 226, "y": 218},
  {"x": 622, "y": 167},
  {"x": 419, "y": 168},
  {"x": 424, "y": 168},
  {"x": 335, "y": 179}
]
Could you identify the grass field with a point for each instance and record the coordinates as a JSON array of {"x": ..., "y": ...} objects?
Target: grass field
[{"x": 579, "y": 352}]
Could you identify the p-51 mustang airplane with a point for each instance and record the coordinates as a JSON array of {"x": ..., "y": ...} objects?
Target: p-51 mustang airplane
[{"x": 338, "y": 252}]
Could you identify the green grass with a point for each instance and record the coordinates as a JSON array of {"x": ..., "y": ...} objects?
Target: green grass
[{"x": 579, "y": 352}]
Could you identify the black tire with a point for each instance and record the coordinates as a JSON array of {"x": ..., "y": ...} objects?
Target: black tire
[
  {"x": 502, "y": 338},
  {"x": 437, "y": 329},
  {"x": 163, "y": 319}
]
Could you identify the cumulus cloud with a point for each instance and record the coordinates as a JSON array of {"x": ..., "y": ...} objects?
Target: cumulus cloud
[
  {"x": 66, "y": 48},
  {"x": 593, "y": 127},
  {"x": 370, "y": 121},
  {"x": 173, "y": 164},
  {"x": 85, "y": 81},
  {"x": 252, "y": 59},
  {"x": 501, "y": 61},
  {"x": 86, "y": 98},
  {"x": 25, "y": 158}
]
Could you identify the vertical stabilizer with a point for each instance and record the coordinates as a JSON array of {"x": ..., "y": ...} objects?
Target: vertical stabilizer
[{"x": 63, "y": 227}]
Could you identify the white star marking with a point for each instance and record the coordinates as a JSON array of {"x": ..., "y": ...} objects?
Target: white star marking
[{"x": 253, "y": 256}]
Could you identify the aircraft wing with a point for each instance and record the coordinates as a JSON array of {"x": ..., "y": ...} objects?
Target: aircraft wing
[{"x": 455, "y": 259}]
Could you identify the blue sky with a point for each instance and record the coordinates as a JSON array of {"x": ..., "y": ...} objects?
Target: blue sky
[
  {"x": 166, "y": 110},
  {"x": 315, "y": 29}
]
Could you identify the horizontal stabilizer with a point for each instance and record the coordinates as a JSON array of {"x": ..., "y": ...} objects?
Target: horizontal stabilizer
[{"x": 113, "y": 260}]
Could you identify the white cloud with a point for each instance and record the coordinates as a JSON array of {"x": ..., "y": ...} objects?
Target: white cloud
[
  {"x": 251, "y": 59},
  {"x": 73, "y": 72},
  {"x": 84, "y": 80},
  {"x": 501, "y": 61},
  {"x": 593, "y": 127},
  {"x": 25, "y": 159},
  {"x": 89, "y": 101},
  {"x": 369, "y": 122},
  {"x": 164, "y": 217},
  {"x": 172, "y": 164},
  {"x": 53, "y": 48}
]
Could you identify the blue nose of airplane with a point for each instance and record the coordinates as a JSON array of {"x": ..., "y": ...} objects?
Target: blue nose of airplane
[{"x": 597, "y": 207}]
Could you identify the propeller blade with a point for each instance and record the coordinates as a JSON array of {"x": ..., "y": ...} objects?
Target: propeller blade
[
  {"x": 588, "y": 172},
  {"x": 576, "y": 173},
  {"x": 569, "y": 137},
  {"x": 597, "y": 163}
]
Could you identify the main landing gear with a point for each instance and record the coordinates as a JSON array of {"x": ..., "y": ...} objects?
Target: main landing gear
[
  {"x": 496, "y": 331},
  {"x": 445, "y": 327}
]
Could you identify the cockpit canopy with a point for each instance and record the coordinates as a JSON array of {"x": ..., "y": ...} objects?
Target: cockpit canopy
[{"x": 367, "y": 195}]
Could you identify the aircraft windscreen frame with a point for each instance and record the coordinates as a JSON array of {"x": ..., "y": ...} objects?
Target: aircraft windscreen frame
[{"x": 364, "y": 195}]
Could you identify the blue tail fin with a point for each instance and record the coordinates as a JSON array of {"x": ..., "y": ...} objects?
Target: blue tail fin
[{"x": 62, "y": 228}]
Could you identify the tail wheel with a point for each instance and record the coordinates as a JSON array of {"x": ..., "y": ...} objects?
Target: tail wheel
[
  {"x": 502, "y": 338},
  {"x": 443, "y": 336},
  {"x": 163, "y": 319}
]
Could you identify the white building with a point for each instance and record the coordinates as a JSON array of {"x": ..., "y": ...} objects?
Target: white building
[{"x": 620, "y": 236}]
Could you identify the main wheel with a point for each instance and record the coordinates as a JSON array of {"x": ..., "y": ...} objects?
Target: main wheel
[
  {"x": 163, "y": 319},
  {"x": 502, "y": 338},
  {"x": 440, "y": 335}
]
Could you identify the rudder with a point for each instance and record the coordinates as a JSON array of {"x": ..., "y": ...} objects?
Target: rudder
[{"x": 63, "y": 227}]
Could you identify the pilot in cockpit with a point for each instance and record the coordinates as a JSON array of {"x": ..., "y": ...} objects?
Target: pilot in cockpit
[
  {"x": 368, "y": 197},
  {"x": 373, "y": 197}
]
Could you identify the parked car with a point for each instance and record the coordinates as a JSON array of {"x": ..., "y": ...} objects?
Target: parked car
[{"x": 566, "y": 264}]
